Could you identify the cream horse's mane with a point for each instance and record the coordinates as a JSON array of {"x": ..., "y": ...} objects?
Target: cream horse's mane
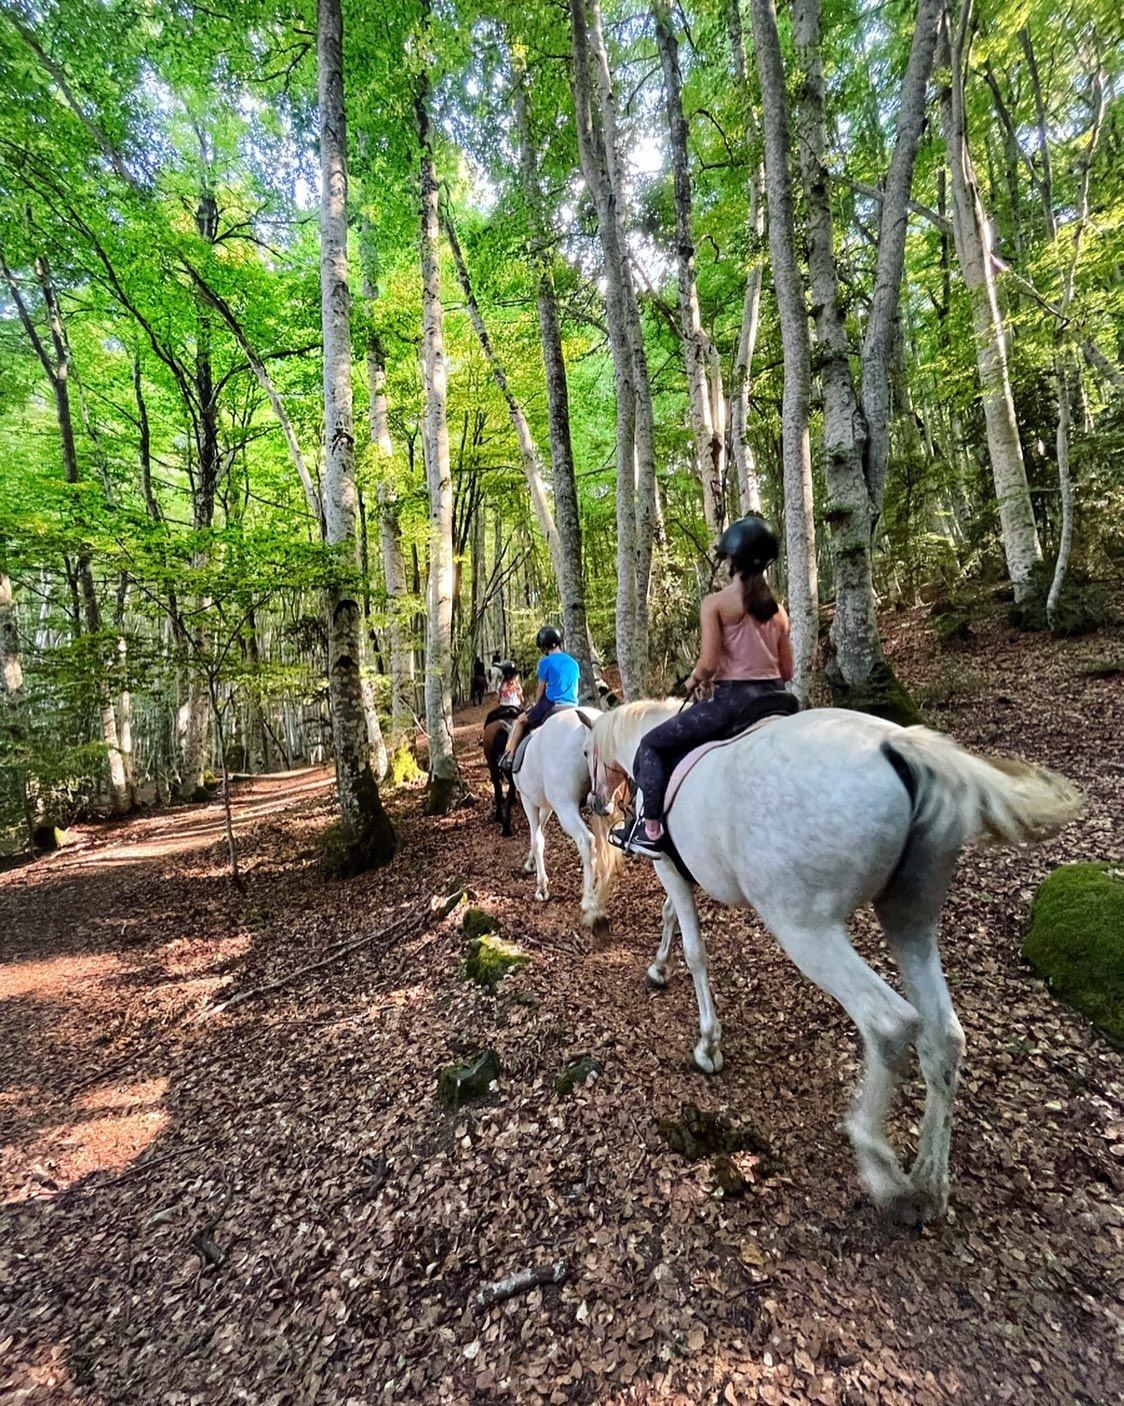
[{"x": 628, "y": 722}]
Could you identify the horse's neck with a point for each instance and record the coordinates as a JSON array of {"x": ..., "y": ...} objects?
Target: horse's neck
[{"x": 638, "y": 727}]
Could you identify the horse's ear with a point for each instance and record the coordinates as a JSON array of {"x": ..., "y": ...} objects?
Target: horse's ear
[{"x": 585, "y": 720}]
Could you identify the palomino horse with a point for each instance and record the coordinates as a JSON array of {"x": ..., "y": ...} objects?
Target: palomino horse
[
  {"x": 493, "y": 742},
  {"x": 554, "y": 777},
  {"x": 806, "y": 818}
]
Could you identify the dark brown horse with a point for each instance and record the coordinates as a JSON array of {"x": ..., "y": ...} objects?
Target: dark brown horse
[{"x": 497, "y": 728}]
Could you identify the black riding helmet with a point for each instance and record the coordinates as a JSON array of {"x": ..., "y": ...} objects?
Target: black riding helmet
[
  {"x": 749, "y": 544},
  {"x": 509, "y": 669},
  {"x": 548, "y": 637}
]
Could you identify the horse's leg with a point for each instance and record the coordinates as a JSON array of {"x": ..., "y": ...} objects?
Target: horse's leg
[
  {"x": 657, "y": 972},
  {"x": 708, "y": 1052},
  {"x": 908, "y": 913},
  {"x": 531, "y": 811},
  {"x": 888, "y": 1026},
  {"x": 569, "y": 817},
  {"x": 507, "y": 810},
  {"x": 538, "y": 852}
]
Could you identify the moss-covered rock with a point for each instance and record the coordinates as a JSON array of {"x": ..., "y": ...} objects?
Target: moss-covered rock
[
  {"x": 1083, "y": 606},
  {"x": 45, "y": 839},
  {"x": 477, "y": 923},
  {"x": 577, "y": 1071},
  {"x": 490, "y": 958},
  {"x": 1076, "y": 940},
  {"x": 881, "y": 694},
  {"x": 459, "y": 1083}
]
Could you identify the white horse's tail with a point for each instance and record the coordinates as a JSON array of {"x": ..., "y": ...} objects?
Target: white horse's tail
[
  {"x": 606, "y": 861},
  {"x": 967, "y": 798}
]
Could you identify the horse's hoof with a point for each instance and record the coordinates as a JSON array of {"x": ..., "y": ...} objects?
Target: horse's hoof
[
  {"x": 542, "y": 895},
  {"x": 654, "y": 979},
  {"x": 599, "y": 928},
  {"x": 705, "y": 1062},
  {"x": 915, "y": 1207}
]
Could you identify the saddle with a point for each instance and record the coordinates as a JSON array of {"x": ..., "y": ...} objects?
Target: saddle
[
  {"x": 520, "y": 751},
  {"x": 761, "y": 711}
]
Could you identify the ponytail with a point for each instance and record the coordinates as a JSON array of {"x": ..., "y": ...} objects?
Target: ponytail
[{"x": 757, "y": 598}]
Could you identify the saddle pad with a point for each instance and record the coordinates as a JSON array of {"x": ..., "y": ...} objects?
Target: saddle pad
[
  {"x": 520, "y": 753},
  {"x": 685, "y": 765}
]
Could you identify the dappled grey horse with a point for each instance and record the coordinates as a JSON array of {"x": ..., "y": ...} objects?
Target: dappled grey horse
[{"x": 808, "y": 817}]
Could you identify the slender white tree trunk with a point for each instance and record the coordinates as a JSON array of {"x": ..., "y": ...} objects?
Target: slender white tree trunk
[
  {"x": 709, "y": 445},
  {"x": 745, "y": 462},
  {"x": 595, "y": 159},
  {"x": 800, "y": 529},
  {"x": 879, "y": 338},
  {"x": 644, "y": 434},
  {"x": 1065, "y": 369},
  {"x": 13, "y": 700},
  {"x": 390, "y": 544},
  {"x": 972, "y": 233},
  {"x": 444, "y": 777},
  {"x": 855, "y": 647},
  {"x": 367, "y": 829}
]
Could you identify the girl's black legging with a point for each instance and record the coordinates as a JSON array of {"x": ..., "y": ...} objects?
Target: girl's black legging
[{"x": 719, "y": 716}]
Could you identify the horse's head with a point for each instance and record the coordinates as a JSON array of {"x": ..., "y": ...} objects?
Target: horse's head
[{"x": 607, "y": 776}]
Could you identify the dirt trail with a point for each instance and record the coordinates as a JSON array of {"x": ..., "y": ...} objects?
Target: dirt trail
[{"x": 298, "y": 1138}]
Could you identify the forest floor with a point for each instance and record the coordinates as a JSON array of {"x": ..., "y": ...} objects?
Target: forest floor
[{"x": 268, "y": 1205}]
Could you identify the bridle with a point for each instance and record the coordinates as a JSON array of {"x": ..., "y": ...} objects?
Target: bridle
[{"x": 597, "y": 802}]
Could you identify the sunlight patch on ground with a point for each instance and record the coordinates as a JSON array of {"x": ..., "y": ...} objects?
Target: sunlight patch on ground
[
  {"x": 402, "y": 999},
  {"x": 191, "y": 957},
  {"x": 56, "y": 976},
  {"x": 113, "y": 1127},
  {"x": 34, "y": 1379}
]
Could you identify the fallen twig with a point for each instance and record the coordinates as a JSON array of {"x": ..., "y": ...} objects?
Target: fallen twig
[
  {"x": 342, "y": 949},
  {"x": 203, "y": 1241},
  {"x": 516, "y": 1283}
]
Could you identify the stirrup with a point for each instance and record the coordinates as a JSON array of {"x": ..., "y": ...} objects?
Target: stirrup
[{"x": 506, "y": 762}]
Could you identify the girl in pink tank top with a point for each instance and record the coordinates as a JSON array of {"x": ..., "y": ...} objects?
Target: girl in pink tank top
[{"x": 745, "y": 652}]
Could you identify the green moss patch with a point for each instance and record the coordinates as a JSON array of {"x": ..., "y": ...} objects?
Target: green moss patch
[
  {"x": 404, "y": 769},
  {"x": 1076, "y": 941},
  {"x": 477, "y": 923},
  {"x": 490, "y": 958},
  {"x": 881, "y": 694},
  {"x": 459, "y": 1083}
]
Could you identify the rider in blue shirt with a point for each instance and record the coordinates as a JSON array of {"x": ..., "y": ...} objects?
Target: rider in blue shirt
[{"x": 558, "y": 683}]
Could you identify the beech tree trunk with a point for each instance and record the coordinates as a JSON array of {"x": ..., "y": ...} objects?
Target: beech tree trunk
[
  {"x": 971, "y": 231},
  {"x": 57, "y": 370},
  {"x": 892, "y": 227},
  {"x": 800, "y": 528},
  {"x": 14, "y": 733},
  {"x": 745, "y": 462},
  {"x": 367, "y": 832},
  {"x": 635, "y": 464},
  {"x": 402, "y": 702},
  {"x": 855, "y": 648},
  {"x": 709, "y": 444},
  {"x": 444, "y": 786}
]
